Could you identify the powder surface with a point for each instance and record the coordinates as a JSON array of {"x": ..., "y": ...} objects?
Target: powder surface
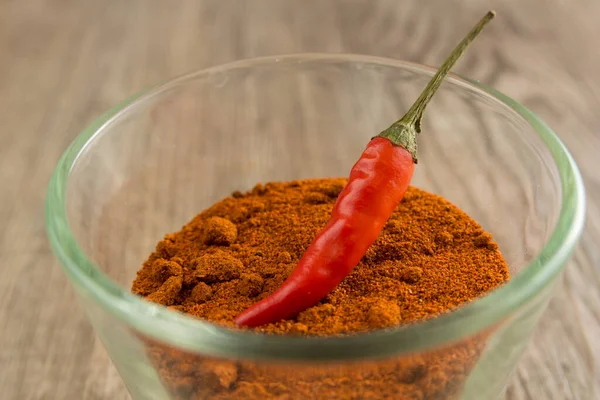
[{"x": 429, "y": 259}]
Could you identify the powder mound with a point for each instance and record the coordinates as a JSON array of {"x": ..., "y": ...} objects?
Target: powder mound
[
  {"x": 316, "y": 314},
  {"x": 164, "y": 269},
  {"x": 168, "y": 292},
  {"x": 201, "y": 293},
  {"x": 167, "y": 248},
  {"x": 316, "y": 198},
  {"x": 411, "y": 274},
  {"x": 429, "y": 258},
  {"x": 219, "y": 231},
  {"x": 484, "y": 240},
  {"x": 216, "y": 267},
  {"x": 383, "y": 313},
  {"x": 299, "y": 328},
  {"x": 250, "y": 284},
  {"x": 284, "y": 257},
  {"x": 443, "y": 238}
]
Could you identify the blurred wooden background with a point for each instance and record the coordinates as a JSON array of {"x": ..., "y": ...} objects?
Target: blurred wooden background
[{"x": 63, "y": 62}]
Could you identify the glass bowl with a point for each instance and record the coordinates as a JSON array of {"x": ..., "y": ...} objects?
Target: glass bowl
[{"x": 151, "y": 163}]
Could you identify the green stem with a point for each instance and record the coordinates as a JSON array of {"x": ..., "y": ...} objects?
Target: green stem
[{"x": 404, "y": 132}]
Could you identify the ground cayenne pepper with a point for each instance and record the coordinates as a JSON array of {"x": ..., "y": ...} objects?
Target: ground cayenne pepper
[
  {"x": 376, "y": 185},
  {"x": 429, "y": 258}
]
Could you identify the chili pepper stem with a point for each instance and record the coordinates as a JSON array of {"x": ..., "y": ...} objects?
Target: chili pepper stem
[{"x": 404, "y": 131}]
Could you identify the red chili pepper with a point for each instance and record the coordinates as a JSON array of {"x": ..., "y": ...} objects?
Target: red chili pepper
[{"x": 376, "y": 185}]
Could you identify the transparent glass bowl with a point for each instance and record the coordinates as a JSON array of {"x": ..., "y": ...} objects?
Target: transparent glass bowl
[{"x": 150, "y": 164}]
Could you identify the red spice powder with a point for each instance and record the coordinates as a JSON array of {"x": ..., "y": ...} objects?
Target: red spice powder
[{"x": 429, "y": 259}]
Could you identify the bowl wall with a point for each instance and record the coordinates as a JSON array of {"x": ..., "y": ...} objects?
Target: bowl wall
[{"x": 150, "y": 165}]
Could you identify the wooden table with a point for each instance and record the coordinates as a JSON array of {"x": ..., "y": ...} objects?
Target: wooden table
[{"x": 63, "y": 62}]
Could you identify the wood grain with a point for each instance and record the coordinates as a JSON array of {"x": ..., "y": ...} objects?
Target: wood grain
[{"x": 63, "y": 62}]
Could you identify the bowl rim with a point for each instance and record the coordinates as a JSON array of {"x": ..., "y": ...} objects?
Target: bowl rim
[{"x": 176, "y": 329}]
